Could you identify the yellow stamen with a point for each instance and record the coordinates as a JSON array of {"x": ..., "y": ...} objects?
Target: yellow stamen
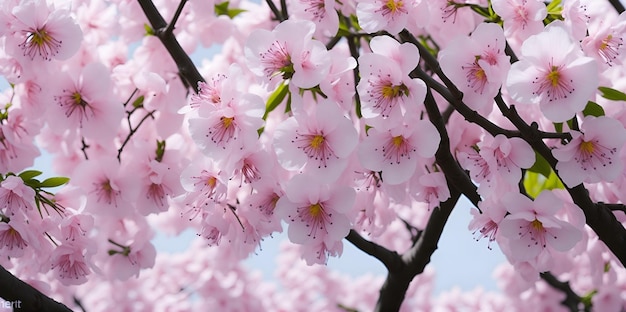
[
  {"x": 587, "y": 147},
  {"x": 537, "y": 225},
  {"x": 393, "y": 6},
  {"x": 397, "y": 140},
  {"x": 315, "y": 210},
  {"x": 317, "y": 141},
  {"x": 211, "y": 182},
  {"x": 554, "y": 76},
  {"x": 227, "y": 121}
]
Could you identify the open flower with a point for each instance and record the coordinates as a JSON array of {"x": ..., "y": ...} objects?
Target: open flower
[
  {"x": 593, "y": 153},
  {"x": 553, "y": 73}
]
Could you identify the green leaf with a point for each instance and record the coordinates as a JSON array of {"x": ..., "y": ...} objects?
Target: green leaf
[
  {"x": 612, "y": 94},
  {"x": 222, "y": 9},
  {"x": 593, "y": 109},
  {"x": 275, "y": 98},
  {"x": 138, "y": 102},
  {"x": 558, "y": 127},
  {"x": 554, "y": 7},
  {"x": 29, "y": 174},
  {"x": 54, "y": 182},
  {"x": 160, "y": 150},
  {"x": 541, "y": 166},
  {"x": 535, "y": 183},
  {"x": 148, "y": 29}
]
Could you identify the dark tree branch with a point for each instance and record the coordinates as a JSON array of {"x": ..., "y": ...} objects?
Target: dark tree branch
[
  {"x": 617, "y": 4},
  {"x": 572, "y": 300},
  {"x": 414, "y": 261},
  {"x": 597, "y": 215},
  {"x": 275, "y": 10},
  {"x": 187, "y": 69},
  {"x": 170, "y": 27},
  {"x": 30, "y": 299},
  {"x": 389, "y": 258},
  {"x": 451, "y": 169}
]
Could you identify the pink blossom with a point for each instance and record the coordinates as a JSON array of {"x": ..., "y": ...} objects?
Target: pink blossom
[
  {"x": 507, "y": 156},
  {"x": 86, "y": 102},
  {"x": 75, "y": 227},
  {"x": 532, "y": 226},
  {"x": 321, "y": 12},
  {"x": 70, "y": 264},
  {"x": 13, "y": 239},
  {"x": 43, "y": 32},
  {"x": 593, "y": 153},
  {"x": 15, "y": 155},
  {"x": 386, "y": 90},
  {"x": 553, "y": 73},
  {"x": 431, "y": 188},
  {"x": 480, "y": 69},
  {"x": 289, "y": 53},
  {"x": 317, "y": 143},
  {"x": 406, "y": 55},
  {"x": 397, "y": 151},
  {"x": 315, "y": 212},
  {"x": 228, "y": 119},
  {"x": 485, "y": 222},
  {"x": 128, "y": 260},
  {"x": 390, "y": 15},
  {"x": 15, "y": 196},
  {"x": 606, "y": 42},
  {"x": 522, "y": 18}
]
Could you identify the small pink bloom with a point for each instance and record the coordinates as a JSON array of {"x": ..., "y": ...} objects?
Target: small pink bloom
[
  {"x": 606, "y": 42},
  {"x": 44, "y": 32},
  {"x": 12, "y": 239},
  {"x": 397, "y": 151},
  {"x": 389, "y": 15},
  {"x": 485, "y": 224},
  {"x": 318, "y": 143},
  {"x": 288, "y": 52},
  {"x": 593, "y": 153},
  {"x": 507, "y": 156},
  {"x": 386, "y": 90},
  {"x": 315, "y": 212},
  {"x": 431, "y": 188},
  {"x": 532, "y": 226},
  {"x": 15, "y": 196},
  {"x": 522, "y": 18},
  {"x": 70, "y": 264},
  {"x": 553, "y": 73},
  {"x": 481, "y": 68},
  {"x": 86, "y": 102}
]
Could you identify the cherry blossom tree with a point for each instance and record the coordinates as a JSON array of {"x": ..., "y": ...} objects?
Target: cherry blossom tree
[{"x": 336, "y": 122}]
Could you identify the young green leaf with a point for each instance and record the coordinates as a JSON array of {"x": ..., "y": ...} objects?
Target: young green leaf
[
  {"x": 54, "y": 182},
  {"x": 275, "y": 98},
  {"x": 541, "y": 166},
  {"x": 612, "y": 94},
  {"x": 593, "y": 109},
  {"x": 29, "y": 174}
]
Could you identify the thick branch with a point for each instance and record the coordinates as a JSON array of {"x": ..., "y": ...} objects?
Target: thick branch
[
  {"x": 598, "y": 216},
  {"x": 414, "y": 261},
  {"x": 389, "y": 258},
  {"x": 617, "y": 4},
  {"x": 572, "y": 300},
  {"x": 24, "y": 296},
  {"x": 187, "y": 69},
  {"x": 451, "y": 169}
]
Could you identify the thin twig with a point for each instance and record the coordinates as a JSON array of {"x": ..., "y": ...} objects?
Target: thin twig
[
  {"x": 170, "y": 27},
  {"x": 132, "y": 132}
]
